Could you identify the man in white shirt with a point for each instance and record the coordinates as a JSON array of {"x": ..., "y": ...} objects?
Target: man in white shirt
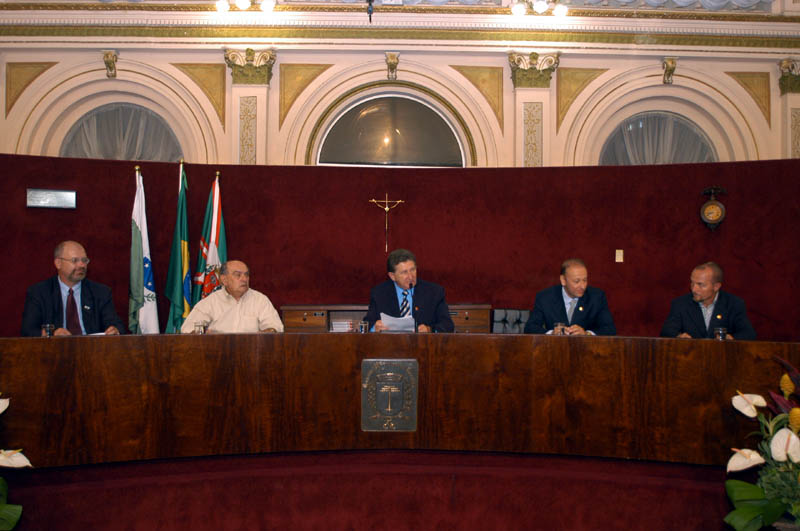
[{"x": 235, "y": 308}]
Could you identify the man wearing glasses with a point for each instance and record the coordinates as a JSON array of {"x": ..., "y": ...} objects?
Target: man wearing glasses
[{"x": 68, "y": 301}]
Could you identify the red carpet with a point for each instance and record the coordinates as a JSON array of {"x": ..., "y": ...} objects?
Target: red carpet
[{"x": 373, "y": 490}]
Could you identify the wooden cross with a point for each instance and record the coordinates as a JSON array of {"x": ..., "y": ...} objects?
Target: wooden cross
[{"x": 386, "y": 205}]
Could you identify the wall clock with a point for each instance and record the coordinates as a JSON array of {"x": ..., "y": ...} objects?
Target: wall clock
[{"x": 712, "y": 212}]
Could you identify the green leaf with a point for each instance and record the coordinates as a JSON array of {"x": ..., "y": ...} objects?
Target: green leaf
[
  {"x": 742, "y": 491},
  {"x": 773, "y": 510},
  {"x": 783, "y": 417},
  {"x": 9, "y": 516},
  {"x": 3, "y": 491},
  {"x": 745, "y": 518}
]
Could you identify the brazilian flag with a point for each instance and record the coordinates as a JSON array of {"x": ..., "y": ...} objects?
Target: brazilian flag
[{"x": 179, "y": 286}]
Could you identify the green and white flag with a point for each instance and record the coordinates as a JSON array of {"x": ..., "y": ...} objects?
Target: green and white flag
[{"x": 142, "y": 309}]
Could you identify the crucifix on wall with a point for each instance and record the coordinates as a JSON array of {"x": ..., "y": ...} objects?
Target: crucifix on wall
[{"x": 386, "y": 204}]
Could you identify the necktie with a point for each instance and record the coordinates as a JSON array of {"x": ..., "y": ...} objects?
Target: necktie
[
  {"x": 571, "y": 310},
  {"x": 73, "y": 323},
  {"x": 404, "y": 304}
]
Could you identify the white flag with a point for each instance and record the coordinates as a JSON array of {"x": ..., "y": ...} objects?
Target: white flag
[{"x": 142, "y": 309}]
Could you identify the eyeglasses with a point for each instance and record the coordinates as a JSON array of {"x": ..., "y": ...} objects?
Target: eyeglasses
[{"x": 74, "y": 261}]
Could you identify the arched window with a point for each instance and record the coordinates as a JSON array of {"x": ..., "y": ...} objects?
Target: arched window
[
  {"x": 391, "y": 131},
  {"x": 121, "y": 131},
  {"x": 657, "y": 138}
]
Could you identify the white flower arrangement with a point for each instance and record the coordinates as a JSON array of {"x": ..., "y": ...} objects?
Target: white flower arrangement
[
  {"x": 776, "y": 494},
  {"x": 9, "y": 513}
]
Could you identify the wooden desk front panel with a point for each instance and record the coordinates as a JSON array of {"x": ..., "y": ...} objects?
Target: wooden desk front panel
[
  {"x": 474, "y": 318},
  {"x": 102, "y": 399}
]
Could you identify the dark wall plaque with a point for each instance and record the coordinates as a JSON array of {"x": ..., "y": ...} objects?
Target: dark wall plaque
[{"x": 389, "y": 395}]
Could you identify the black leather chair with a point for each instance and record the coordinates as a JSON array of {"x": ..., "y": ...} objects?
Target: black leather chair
[{"x": 509, "y": 320}]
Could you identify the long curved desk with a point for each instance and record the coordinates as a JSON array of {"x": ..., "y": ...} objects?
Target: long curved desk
[{"x": 94, "y": 400}]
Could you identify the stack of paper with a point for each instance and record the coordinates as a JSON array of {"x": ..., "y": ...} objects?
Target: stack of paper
[{"x": 341, "y": 326}]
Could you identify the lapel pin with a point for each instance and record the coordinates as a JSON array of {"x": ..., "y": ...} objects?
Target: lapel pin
[
  {"x": 86, "y": 307},
  {"x": 719, "y": 316},
  {"x": 580, "y": 308}
]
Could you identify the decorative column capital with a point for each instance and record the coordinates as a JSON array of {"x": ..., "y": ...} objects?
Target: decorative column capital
[
  {"x": 249, "y": 67},
  {"x": 534, "y": 70},
  {"x": 789, "y": 81}
]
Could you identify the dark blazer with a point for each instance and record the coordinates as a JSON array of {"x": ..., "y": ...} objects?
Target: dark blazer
[
  {"x": 591, "y": 313},
  {"x": 685, "y": 316},
  {"x": 429, "y": 309},
  {"x": 43, "y": 305}
]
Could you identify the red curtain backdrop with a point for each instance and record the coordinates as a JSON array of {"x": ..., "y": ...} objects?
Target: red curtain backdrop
[{"x": 489, "y": 235}]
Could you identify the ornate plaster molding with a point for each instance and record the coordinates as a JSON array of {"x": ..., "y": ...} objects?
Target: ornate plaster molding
[
  {"x": 392, "y": 60},
  {"x": 789, "y": 81},
  {"x": 757, "y": 86},
  {"x": 489, "y": 82},
  {"x": 19, "y": 76},
  {"x": 247, "y": 129},
  {"x": 294, "y": 79},
  {"x": 669, "y": 64},
  {"x": 249, "y": 67},
  {"x": 570, "y": 83},
  {"x": 533, "y": 70},
  {"x": 532, "y": 116},
  {"x": 425, "y": 26},
  {"x": 211, "y": 80},
  {"x": 110, "y": 60}
]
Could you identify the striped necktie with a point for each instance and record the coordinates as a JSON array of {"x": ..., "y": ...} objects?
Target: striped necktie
[{"x": 404, "y": 305}]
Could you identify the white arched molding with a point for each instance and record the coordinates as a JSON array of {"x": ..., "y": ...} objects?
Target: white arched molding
[
  {"x": 728, "y": 117},
  {"x": 333, "y": 93},
  {"x": 68, "y": 91}
]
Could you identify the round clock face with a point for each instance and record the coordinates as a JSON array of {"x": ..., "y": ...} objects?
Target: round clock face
[{"x": 712, "y": 212}]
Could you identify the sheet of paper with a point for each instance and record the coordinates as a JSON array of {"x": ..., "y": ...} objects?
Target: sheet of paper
[{"x": 398, "y": 324}]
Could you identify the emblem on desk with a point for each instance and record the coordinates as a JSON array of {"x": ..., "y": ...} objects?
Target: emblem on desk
[{"x": 389, "y": 395}]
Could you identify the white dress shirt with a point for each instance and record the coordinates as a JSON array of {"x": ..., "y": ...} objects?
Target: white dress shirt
[{"x": 221, "y": 312}]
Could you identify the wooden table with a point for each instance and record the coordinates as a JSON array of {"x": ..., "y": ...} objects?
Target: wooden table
[{"x": 104, "y": 399}]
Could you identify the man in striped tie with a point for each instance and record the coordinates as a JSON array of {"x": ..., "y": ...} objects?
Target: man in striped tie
[{"x": 403, "y": 294}]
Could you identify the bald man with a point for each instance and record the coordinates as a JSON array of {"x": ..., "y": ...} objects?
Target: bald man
[
  {"x": 235, "y": 308},
  {"x": 73, "y": 304}
]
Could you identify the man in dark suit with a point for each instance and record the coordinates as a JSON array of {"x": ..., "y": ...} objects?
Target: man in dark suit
[
  {"x": 58, "y": 299},
  {"x": 698, "y": 313},
  {"x": 582, "y": 309},
  {"x": 404, "y": 295}
]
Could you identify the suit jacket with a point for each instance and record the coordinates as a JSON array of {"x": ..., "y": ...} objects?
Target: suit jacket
[
  {"x": 430, "y": 308},
  {"x": 43, "y": 305},
  {"x": 591, "y": 312},
  {"x": 685, "y": 316}
]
